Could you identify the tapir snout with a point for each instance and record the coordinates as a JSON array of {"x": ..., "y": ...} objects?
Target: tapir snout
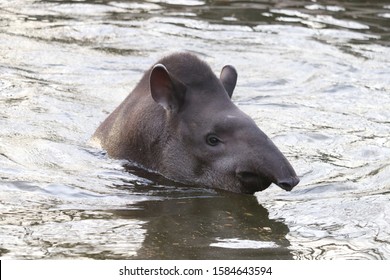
[
  {"x": 253, "y": 181},
  {"x": 275, "y": 169},
  {"x": 261, "y": 163}
]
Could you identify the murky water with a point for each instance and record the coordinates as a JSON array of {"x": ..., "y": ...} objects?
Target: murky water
[{"x": 315, "y": 75}]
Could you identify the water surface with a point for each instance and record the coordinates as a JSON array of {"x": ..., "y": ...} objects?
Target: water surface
[{"x": 313, "y": 74}]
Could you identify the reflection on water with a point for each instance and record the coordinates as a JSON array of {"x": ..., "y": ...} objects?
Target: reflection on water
[
  {"x": 215, "y": 227},
  {"x": 313, "y": 74}
]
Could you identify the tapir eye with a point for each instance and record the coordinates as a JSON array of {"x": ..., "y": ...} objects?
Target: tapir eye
[{"x": 212, "y": 140}]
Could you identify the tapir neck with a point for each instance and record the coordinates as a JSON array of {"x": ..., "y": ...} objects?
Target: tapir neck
[{"x": 144, "y": 128}]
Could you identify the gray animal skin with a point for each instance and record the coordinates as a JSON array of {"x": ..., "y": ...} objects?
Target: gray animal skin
[{"x": 180, "y": 122}]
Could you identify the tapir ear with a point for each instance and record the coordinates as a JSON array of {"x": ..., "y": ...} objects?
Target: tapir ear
[
  {"x": 165, "y": 89},
  {"x": 228, "y": 78}
]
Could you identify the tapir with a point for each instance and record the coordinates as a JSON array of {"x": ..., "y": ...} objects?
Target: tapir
[{"x": 180, "y": 122}]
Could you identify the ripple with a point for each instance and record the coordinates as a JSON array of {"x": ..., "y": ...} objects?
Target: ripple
[
  {"x": 235, "y": 243},
  {"x": 322, "y": 19}
]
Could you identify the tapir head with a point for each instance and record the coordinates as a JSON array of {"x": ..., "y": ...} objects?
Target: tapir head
[{"x": 211, "y": 141}]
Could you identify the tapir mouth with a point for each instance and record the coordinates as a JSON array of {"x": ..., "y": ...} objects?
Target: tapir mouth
[{"x": 252, "y": 183}]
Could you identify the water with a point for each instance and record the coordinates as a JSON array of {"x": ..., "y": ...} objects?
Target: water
[{"x": 313, "y": 74}]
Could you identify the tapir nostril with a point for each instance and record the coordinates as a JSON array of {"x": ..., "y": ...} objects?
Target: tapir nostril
[{"x": 288, "y": 184}]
